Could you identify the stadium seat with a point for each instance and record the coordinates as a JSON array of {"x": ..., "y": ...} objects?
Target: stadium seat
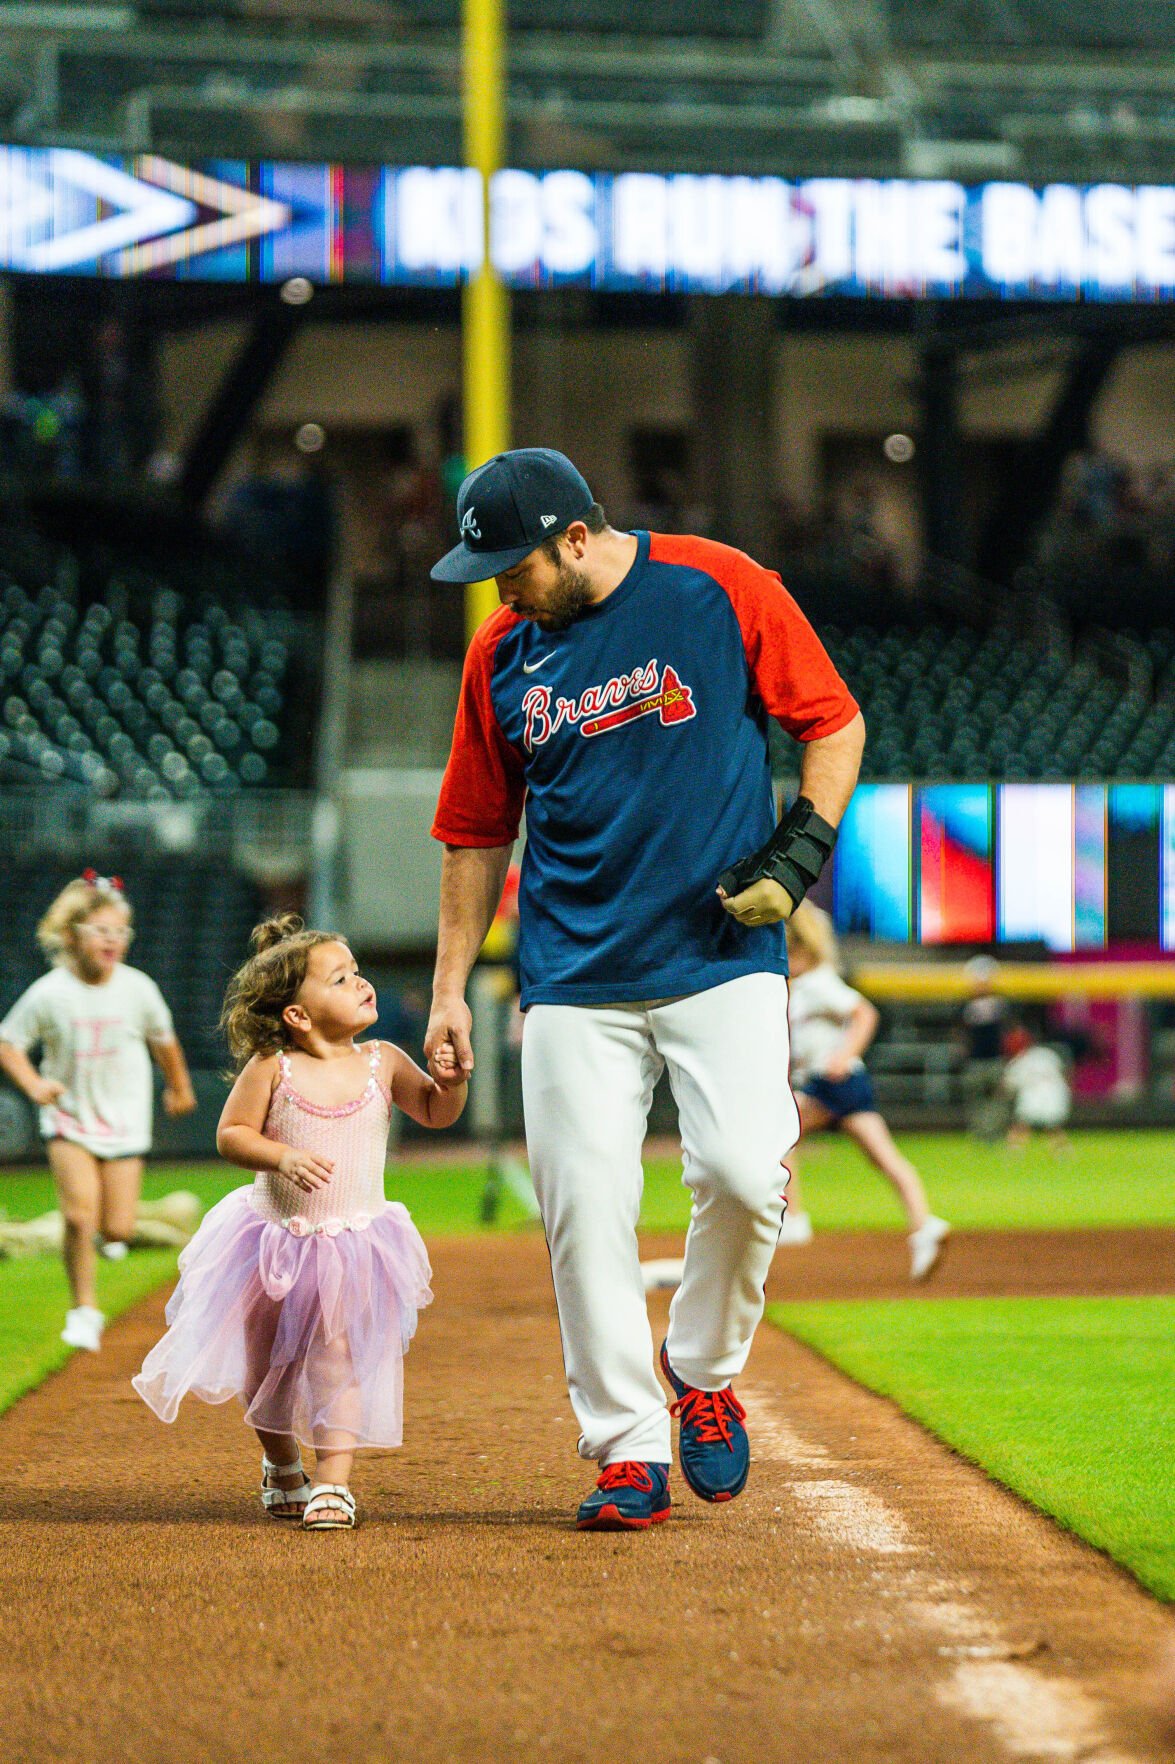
[
  {"x": 141, "y": 690},
  {"x": 945, "y": 701}
]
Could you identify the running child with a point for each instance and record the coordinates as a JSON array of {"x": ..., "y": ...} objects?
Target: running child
[
  {"x": 831, "y": 1027},
  {"x": 299, "y": 1293},
  {"x": 97, "y": 1023},
  {"x": 1036, "y": 1081}
]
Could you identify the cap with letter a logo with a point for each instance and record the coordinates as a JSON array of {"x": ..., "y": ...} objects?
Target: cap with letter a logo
[{"x": 507, "y": 507}]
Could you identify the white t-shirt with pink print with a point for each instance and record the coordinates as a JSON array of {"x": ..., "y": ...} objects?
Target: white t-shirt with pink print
[{"x": 94, "y": 1040}]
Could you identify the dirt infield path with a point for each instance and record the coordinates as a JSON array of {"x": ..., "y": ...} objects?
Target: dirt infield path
[
  {"x": 871, "y": 1598},
  {"x": 977, "y": 1264}
]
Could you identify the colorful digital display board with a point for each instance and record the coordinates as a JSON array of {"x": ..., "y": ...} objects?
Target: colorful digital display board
[
  {"x": 1073, "y": 867},
  {"x": 63, "y": 211}
]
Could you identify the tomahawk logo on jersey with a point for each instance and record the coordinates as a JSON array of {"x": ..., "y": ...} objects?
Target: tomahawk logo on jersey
[
  {"x": 641, "y": 759},
  {"x": 664, "y": 694}
]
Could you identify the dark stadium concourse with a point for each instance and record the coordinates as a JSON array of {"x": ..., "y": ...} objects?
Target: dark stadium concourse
[{"x": 879, "y": 89}]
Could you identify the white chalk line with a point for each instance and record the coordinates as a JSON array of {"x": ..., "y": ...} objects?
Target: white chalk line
[
  {"x": 1046, "y": 1720},
  {"x": 770, "y": 1429},
  {"x": 854, "y": 1518},
  {"x": 1033, "y": 1717}
]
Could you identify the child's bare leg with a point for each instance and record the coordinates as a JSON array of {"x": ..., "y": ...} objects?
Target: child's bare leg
[
  {"x": 813, "y": 1114},
  {"x": 334, "y": 1462},
  {"x": 334, "y": 1445},
  {"x": 876, "y": 1141},
  {"x": 75, "y": 1172},
  {"x": 281, "y": 1448},
  {"x": 122, "y": 1182}
]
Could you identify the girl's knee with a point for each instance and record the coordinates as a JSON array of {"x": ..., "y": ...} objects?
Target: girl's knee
[
  {"x": 335, "y": 1354},
  {"x": 80, "y": 1215}
]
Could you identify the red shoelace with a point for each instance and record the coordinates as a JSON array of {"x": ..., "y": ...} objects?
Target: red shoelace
[
  {"x": 710, "y": 1411},
  {"x": 627, "y": 1474}
]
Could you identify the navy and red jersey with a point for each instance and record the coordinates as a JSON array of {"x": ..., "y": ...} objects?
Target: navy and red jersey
[{"x": 637, "y": 741}]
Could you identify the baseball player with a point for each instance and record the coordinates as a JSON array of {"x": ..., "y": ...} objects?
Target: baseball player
[{"x": 623, "y": 691}]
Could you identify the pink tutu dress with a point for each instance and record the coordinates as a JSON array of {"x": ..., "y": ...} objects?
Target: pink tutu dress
[{"x": 301, "y": 1305}]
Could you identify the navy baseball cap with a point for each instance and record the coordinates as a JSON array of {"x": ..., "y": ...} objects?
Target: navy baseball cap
[{"x": 507, "y": 507}]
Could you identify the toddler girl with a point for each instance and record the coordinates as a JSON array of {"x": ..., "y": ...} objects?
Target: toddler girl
[
  {"x": 299, "y": 1294},
  {"x": 95, "y": 1020}
]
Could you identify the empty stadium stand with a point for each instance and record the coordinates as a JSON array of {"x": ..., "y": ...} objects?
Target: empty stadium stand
[
  {"x": 126, "y": 686},
  {"x": 946, "y": 701},
  {"x": 1035, "y": 24}
]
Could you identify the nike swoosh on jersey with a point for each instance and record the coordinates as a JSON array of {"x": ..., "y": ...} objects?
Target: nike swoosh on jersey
[{"x": 533, "y": 667}]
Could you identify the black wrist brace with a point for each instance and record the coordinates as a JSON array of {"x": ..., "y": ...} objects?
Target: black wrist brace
[{"x": 794, "y": 855}]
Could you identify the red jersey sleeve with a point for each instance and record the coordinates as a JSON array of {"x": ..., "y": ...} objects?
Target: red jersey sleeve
[
  {"x": 484, "y": 788},
  {"x": 789, "y": 666}
]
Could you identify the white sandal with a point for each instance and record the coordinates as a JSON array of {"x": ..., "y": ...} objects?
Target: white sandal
[
  {"x": 272, "y": 1496},
  {"x": 332, "y": 1500}
]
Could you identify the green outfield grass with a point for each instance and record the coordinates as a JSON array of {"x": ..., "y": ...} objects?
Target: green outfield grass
[
  {"x": 443, "y": 1200},
  {"x": 1115, "y": 1178},
  {"x": 1108, "y": 1179},
  {"x": 1070, "y": 1402}
]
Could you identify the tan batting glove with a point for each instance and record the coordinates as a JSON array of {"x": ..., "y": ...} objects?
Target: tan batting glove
[{"x": 763, "y": 903}]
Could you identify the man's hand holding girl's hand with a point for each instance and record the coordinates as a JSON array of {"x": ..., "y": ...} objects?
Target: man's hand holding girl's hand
[
  {"x": 304, "y": 1169},
  {"x": 445, "y": 1069},
  {"x": 447, "y": 1045}
]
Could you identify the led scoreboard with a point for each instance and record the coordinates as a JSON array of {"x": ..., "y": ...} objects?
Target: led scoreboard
[
  {"x": 1076, "y": 867},
  {"x": 67, "y": 212}
]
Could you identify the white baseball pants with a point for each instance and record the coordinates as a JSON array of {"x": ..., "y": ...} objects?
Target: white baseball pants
[{"x": 588, "y": 1074}]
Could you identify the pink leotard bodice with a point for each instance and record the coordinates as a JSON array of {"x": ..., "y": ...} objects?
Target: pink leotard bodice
[{"x": 354, "y": 1136}]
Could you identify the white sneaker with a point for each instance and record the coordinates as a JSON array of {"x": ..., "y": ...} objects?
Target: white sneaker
[
  {"x": 116, "y": 1251},
  {"x": 926, "y": 1246},
  {"x": 796, "y": 1228},
  {"x": 663, "y": 1275},
  {"x": 83, "y": 1328}
]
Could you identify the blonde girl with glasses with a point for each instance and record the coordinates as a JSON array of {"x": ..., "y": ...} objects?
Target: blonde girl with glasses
[{"x": 98, "y": 1023}]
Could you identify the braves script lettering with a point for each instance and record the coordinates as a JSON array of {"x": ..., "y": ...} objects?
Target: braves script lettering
[{"x": 622, "y": 699}]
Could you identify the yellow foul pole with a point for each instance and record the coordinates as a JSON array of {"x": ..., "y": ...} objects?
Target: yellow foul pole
[{"x": 485, "y": 307}]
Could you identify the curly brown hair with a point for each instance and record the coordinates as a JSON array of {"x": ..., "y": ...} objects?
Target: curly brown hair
[{"x": 258, "y": 993}]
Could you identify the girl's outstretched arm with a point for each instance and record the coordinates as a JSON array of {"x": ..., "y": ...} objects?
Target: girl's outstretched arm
[
  {"x": 240, "y": 1140},
  {"x": 178, "y": 1096},
  {"x": 431, "y": 1103}
]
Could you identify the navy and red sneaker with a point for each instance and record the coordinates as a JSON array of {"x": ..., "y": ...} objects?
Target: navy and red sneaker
[
  {"x": 629, "y": 1497},
  {"x": 714, "y": 1449}
]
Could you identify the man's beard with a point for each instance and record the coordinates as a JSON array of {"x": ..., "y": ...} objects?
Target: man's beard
[{"x": 570, "y": 596}]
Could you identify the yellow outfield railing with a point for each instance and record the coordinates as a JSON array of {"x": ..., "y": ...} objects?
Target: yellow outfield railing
[{"x": 934, "y": 982}]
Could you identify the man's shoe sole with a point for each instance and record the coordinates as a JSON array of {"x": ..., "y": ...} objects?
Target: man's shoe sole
[
  {"x": 611, "y": 1519},
  {"x": 723, "y": 1494}
]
